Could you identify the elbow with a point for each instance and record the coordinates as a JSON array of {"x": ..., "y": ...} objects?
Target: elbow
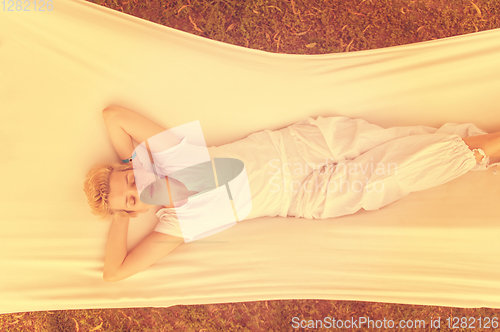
[
  {"x": 109, "y": 278},
  {"x": 105, "y": 112},
  {"x": 108, "y": 111},
  {"x": 113, "y": 277},
  {"x": 108, "y": 108}
]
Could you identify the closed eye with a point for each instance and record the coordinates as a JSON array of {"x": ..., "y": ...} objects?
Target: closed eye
[
  {"x": 129, "y": 182},
  {"x": 132, "y": 182}
]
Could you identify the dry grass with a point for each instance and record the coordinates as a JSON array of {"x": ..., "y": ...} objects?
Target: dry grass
[
  {"x": 249, "y": 316},
  {"x": 318, "y": 26}
]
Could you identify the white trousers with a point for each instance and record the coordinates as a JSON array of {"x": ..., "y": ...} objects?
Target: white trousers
[{"x": 355, "y": 165}]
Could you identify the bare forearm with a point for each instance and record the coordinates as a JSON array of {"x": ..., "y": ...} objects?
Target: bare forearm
[
  {"x": 140, "y": 128},
  {"x": 116, "y": 247},
  {"x": 121, "y": 140}
]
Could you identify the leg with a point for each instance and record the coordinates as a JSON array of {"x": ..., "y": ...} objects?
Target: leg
[
  {"x": 385, "y": 174},
  {"x": 342, "y": 138},
  {"x": 489, "y": 143}
]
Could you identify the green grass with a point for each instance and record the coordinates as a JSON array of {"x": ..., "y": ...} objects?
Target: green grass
[{"x": 295, "y": 27}]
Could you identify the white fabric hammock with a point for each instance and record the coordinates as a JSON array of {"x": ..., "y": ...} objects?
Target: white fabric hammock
[{"x": 59, "y": 69}]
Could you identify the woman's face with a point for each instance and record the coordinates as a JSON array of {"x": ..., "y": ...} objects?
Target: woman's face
[{"x": 123, "y": 193}]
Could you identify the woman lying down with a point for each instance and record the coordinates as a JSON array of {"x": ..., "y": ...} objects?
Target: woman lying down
[{"x": 315, "y": 169}]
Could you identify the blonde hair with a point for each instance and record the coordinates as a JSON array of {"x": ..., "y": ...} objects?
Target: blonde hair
[{"x": 96, "y": 187}]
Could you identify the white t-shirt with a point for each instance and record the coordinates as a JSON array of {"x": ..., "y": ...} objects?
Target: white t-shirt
[{"x": 211, "y": 209}]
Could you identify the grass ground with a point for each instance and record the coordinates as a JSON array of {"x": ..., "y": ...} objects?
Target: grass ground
[{"x": 295, "y": 27}]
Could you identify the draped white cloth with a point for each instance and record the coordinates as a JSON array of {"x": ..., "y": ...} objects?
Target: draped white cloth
[{"x": 60, "y": 68}]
